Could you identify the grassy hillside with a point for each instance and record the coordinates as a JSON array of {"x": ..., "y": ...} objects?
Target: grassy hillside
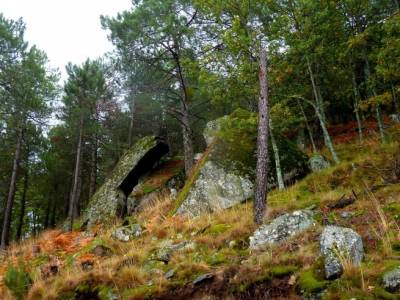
[{"x": 79, "y": 265}]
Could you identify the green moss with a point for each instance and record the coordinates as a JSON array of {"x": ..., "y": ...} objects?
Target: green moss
[
  {"x": 216, "y": 259},
  {"x": 141, "y": 292},
  {"x": 190, "y": 181},
  {"x": 147, "y": 189},
  {"x": 380, "y": 293},
  {"x": 218, "y": 229},
  {"x": 282, "y": 271},
  {"x": 309, "y": 284}
]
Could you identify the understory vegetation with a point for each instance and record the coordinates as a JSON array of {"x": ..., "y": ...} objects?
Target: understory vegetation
[{"x": 81, "y": 265}]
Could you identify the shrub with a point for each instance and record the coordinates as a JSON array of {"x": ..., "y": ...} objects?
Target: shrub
[{"x": 17, "y": 280}]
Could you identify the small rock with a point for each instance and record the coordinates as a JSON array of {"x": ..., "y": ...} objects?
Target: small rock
[
  {"x": 101, "y": 250},
  {"x": 173, "y": 193},
  {"x": 318, "y": 162},
  {"x": 346, "y": 214},
  {"x": 232, "y": 244},
  {"x": 391, "y": 280},
  {"x": 169, "y": 274},
  {"x": 338, "y": 241},
  {"x": 203, "y": 278},
  {"x": 87, "y": 265},
  {"x": 281, "y": 228},
  {"x": 127, "y": 233},
  {"x": 166, "y": 248}
]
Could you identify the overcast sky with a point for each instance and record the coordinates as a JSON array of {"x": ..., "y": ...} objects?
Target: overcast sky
[{"x": 67, "y": 30}]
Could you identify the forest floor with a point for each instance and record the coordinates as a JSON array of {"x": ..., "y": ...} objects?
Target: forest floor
[{"x": 77, "y": 265}]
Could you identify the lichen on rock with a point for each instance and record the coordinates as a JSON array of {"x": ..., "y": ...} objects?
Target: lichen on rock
[
  {"x": 110, "y": 198},
  {"x": 225, "y": 175}
]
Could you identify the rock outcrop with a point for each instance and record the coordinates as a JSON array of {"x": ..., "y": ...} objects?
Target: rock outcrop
[
  {"x": 391, "y": 280},
  {"x": 281, "y": 228},
  {"x": 224, "y": 175},
  {"x": 110, "y": 199},
  {"x": 318, "y": 162},
  {"x": 339, "y": 244}
]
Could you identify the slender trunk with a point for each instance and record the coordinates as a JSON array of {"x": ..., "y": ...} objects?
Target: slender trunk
[
  {"x": 93, "y": 167},
  {"x": 327, "y": 137},
  {"x": 185, "y": 120},
  {"x": 131, "y": 123},
  {"x": 308, "y": 128},
  {"x": 394, "y": 98},
  {"x": 356, "y": 103},
  {"x": 316, "y": 91},
  {"x": 47, "y": 215},
  {"x": 23, "y": 203},
  {"x": 78, "y": 204},
  {"x": 75, "y": 184},
  {"x": 11, "y": 192},
  {"x": 187, "y": 143},
  {"x": 260, "y": 197},
  {"x": 372, "y": 92},
  {"x": 279, "y": 177}
]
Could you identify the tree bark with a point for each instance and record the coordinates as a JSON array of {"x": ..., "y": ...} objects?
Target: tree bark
[
  {"x": 75, "y": 185},
  {"x": 93, "y": 167},
  {"x": 23, "y": 202},
  {"x": 11, "y": 192},
  {"x": 372, "y": 92},
  {"x": 279, "y": 177},
  {"x": 394, "y": 98},
  {"x": 308, "y": 128},
  {"x": 260, "y": 197},
  {"x": 356, "y": 103},
  {"x": 327, "y": 137},
  {"x": 131, "y": 123},
  {"x": 185, "y": 119}
]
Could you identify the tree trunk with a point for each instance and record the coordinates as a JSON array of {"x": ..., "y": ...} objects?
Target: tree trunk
[
  {"x": 260, "y": 197},
  {"x": 316, "y": 91},
  {"x": 11, "y": 192},
  {"x": 394, "y": 98},
  {"x": 23, "y": 203},
  {"x": 47, "y": 216},
  {"x": 356, "y": 103},
  {"x": 327, "y": 137},
  {"x": 187, "y": 142},
  {"x": 75, "y": 185},
  {"x": 279, "y": 177},
  {"x": 372, "y": 92},
  {"x": 131, "y": 123},
  {"x": 185, "y": 120},
  {"x": 93, "y": 167},
  {"x": 308, "y": 128}
]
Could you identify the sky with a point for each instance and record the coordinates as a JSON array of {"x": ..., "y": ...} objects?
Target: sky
[{"x": 67, "y": 30}]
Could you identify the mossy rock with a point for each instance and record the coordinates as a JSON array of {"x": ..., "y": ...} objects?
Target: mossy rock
[
  {"x": 224, "y": 176},
  {"x": 110, "y": 199}
]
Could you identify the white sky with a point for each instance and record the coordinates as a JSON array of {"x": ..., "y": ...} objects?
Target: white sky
[{"x": 67, "y": 30}]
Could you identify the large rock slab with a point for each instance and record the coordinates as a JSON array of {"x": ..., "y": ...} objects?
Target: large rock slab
[
  {"x": 391, "y": 280},
  {"x": 224, "y": 175},
  {"x": 110, "y": 199},
  {"x": 338, "y": 244},
  {"x": 281, "y": 228}
]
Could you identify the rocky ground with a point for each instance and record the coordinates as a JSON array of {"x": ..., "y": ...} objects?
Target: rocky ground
[{"x": 332, "y": 235}]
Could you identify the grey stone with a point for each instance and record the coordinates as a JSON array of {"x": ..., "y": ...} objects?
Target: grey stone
[
  {"x": 225, "y": 175},
  {"x": 338, "y": 244},
  {"x": 203, "y": 278},
  {"x": 281, "y": 228},
  {"x": 111, "y": 197},
  {"x": 395, "y": 118},
  {"x": 318, "y": 162},
  {"x": 346, "y": 214},
  {"x": 215, "y": 189},
  {"x": 169, "y": 274},
  {"x": 391, "y": 280},
  {"x": 127, "y": 233},
  {"x": 167, "y": 248}
]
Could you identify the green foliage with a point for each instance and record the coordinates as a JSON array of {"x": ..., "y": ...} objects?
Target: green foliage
[{"x": 18, "y": 280}]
